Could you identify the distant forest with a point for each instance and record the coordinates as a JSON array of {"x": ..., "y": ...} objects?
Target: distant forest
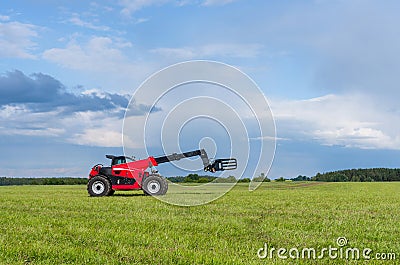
[
  {"x": 195, "y": 178},
  {"x": 348, "y": 175},
  {"x": 191, "y": 178},
  {"x": 4, "y": 181},
  {"x": 360, "y": 175}
]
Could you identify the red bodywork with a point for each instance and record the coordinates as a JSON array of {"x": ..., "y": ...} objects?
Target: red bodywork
[{"x": 131, "y": 170}]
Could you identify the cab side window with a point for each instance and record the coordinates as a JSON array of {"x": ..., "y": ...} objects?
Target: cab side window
[{"x": 118, "y": 161}]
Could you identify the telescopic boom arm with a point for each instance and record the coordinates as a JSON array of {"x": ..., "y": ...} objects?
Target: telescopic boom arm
[{"x": 212, "y": 166}]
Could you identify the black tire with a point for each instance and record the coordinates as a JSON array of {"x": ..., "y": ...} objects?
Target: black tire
[
  {"x": 111, "y": 193},
  {"x": 99, "y": 186},
  {"x": 155, "y": 185}
]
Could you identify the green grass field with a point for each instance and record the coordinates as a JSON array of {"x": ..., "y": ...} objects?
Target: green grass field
[{"x": 62, "y": 225}]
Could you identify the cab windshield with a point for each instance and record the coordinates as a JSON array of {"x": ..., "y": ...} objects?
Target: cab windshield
[{"x": 122, "y": 160}]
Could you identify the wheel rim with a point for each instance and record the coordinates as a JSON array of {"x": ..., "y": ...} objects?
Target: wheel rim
[
  {"x": 153, "y": 186},
  {"x": 98, "y": 187}
]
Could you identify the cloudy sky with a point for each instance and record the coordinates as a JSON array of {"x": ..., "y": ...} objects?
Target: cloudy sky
[{"x": 330, "y": 71}]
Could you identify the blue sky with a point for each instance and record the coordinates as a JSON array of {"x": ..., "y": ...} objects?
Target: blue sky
[{"x": 328, "y": 68}]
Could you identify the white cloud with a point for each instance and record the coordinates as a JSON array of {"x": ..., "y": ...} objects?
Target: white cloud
[
  {"x": 185, "y": 53},
  {"x": 76, "y": 20},
  {"x": 99, "y": 129},
  {"x": 94, "y": 128},
  {"x": 99, "y": 124},
  {"x": 41, "y": 106},
  {"x": 110, "y": 61},
  {"x": 18, "y": 120},
  {"x": 99, "y": 54},
  {"x": 96, "y": 6},
  {"x": 16, "y": 40},
  {"x": 132, "y": 6},
  {"x": 216, "y": 2},
  {"x": 211, "y": 50},
  {"x": 4, "y": 18},
  {"x": 351, "y": 120},
  {"x": 98, "y": 137},
  {"x": 91, "y": 128},
  {"x": 141, "y": 20},
  {"x": 269, "y": 138}
]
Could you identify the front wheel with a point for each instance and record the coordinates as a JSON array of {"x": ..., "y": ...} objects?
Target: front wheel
[
  {"x": 99, "y": 186},
  {"x": 155, "y": 185}
]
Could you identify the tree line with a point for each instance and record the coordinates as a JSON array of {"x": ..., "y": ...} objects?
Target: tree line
[
  {"x": 348, "y": 175},
  {"x": 191, "y": 178},
  {"x": 195, "y": 178},
  {"x": 360, "y": 175},
  {"x": 5, "y": 181}
]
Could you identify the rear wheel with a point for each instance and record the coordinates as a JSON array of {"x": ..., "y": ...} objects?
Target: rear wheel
[
  {"x": 99, "y": 186},
  {"x": 155, "y": 185}
]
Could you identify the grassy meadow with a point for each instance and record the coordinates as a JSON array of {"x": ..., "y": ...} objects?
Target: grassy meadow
[{"x": 62, "y": 225}]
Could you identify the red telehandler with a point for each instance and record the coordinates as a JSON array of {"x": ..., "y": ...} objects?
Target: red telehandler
[{"x": 126, "y": 173}]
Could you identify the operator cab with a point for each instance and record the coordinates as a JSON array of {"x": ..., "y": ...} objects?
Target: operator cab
[{"x": 116, "y": 160}]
